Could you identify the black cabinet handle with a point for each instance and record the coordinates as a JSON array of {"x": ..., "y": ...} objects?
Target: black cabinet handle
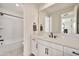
[
  {"x": 36, "y": 45},
  {"x": 46, "y": 51},
  {"x": 75, "y": 53},
  {"x": 1, "y": 40}
]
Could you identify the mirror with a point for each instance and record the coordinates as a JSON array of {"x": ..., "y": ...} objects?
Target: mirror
[
  {"x": 68, "y": 23},
  {"x": 60, "y": 20}
]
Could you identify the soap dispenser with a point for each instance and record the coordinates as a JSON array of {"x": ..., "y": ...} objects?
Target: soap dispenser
[
  {"x": 41, "y": 27},
  {"x": 34, "y": 27}
]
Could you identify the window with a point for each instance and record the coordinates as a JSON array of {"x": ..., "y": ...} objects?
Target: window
[{"x": 47, "y": 23}]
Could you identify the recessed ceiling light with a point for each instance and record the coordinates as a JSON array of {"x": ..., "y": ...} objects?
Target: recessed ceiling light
[{"x": 17, "y": 5}]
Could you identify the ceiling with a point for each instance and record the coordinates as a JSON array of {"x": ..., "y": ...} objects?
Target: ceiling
[
  {"x": 52, "y": 8},
  {"x": 12, "y": 6},
  {"x": 57, "y": 7}
]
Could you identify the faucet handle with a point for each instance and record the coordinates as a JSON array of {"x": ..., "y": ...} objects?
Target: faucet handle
[
  {"x": 51, "y": 35},
  {"x": 55, "y": 36}
]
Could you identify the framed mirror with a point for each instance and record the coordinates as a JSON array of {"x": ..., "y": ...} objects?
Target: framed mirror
[{"x": 60, "y": 20}]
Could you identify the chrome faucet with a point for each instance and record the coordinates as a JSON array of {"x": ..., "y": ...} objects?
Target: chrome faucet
[{"x": 51, "y": 35}]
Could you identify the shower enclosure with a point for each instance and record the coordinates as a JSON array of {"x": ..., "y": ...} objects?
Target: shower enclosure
[{"x": 11, "y": 35}]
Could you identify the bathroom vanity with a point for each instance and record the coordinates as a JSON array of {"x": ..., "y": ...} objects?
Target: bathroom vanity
[
  {"x": 45, "y": 46},
  {"x": 63, "y": 20}
]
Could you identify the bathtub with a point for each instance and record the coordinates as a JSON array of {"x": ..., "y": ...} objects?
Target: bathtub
[{"x": 11, "y": 48}]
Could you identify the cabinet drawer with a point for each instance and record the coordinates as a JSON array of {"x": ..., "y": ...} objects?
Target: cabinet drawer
[
  {"x": 52, "y": 45},
  {"x": 44, "y": 50},
  {"x": 44, "y": 42},
  {"x": 71, "y": 51},
  {"x": 57, "y": 47},
  {"x": 57, "y": 52}
]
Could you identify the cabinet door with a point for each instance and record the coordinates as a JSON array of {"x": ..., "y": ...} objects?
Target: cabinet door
[
  {"x": 65, "y": 54},
  {"x": 70, "y": 52},
  {"x": 34, "y": 47},
  {"x": 57, "y": 52},
  {"x": 44, "y": 50}
]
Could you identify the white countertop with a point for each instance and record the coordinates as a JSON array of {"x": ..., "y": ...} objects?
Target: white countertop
[{"x": 73, "y": 43}]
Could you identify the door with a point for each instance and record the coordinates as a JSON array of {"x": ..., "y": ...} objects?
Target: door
[
  {"x": 44, "y": 50},
  {"x": 57, "y": 52},
  {"x": 34, "y": 47},
  {"x": 70, "y": 52}
]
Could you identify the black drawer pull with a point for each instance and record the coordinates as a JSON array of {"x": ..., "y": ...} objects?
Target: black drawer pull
[
  {"x": 46, "y": 51},
  {"x": 75, "y": 53},
  {"x": 36, "y": 46},
  {"x": 1, "y": 40}
]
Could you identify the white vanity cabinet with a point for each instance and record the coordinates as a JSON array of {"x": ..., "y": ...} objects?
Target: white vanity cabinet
[
  {"x": 57, "y": 53},
  {"x": 57, "y": 50},
  {"x": 43, "y": 50},
  {"x": 48, "y": 48},
  {"x": 34, "y": 47},
  {"x": 70, "y": 52},
  {"x": 42, "y": 47}
]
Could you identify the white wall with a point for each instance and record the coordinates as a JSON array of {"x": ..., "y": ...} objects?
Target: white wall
[
  {"x": 4, "y": 10},
  {"x": 30, "y": 16},
  {"x": 42, "y": 19}
]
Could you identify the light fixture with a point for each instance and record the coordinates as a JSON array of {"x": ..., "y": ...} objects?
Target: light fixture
[{"x": 17, "y": 5}]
